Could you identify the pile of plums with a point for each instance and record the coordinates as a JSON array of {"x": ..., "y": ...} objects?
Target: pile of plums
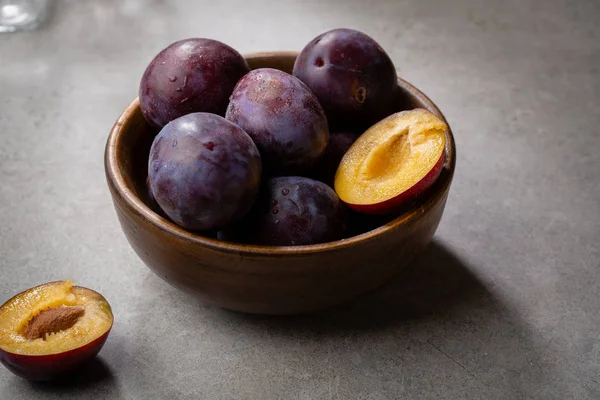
[{"x": 252, "y": 156}]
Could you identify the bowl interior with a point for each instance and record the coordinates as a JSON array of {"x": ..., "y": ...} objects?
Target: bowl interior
[{"x": 131, "y": 138}]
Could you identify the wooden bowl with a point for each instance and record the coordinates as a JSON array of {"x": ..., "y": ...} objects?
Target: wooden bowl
[{"x": 261, "y": 279}]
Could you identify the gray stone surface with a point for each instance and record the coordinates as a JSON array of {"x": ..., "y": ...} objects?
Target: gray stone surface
[{"x": 503, "y": 305}]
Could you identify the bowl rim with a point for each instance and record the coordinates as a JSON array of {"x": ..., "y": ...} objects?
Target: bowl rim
[{"x": 136, "y": 205}]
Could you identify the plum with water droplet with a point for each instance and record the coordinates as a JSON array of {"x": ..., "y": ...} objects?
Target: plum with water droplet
[
  {"x": 292, "y": 210},
  {"x": 204, "y": 171},
  {"x": 191, "y": 75}
]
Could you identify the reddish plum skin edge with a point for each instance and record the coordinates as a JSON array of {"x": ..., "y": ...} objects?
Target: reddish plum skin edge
[
  {"x": 204, "y": 171},
  {"x": 51, "y": 366},
  {"x": 409, "y": 195},
  {"x": 191, "y": 75},
  {"x": 283, "y": 117}
]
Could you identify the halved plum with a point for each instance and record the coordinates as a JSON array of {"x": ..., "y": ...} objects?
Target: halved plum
[
  {"x": 48, "y": 330},
  {"x": 393, "y": 162}
]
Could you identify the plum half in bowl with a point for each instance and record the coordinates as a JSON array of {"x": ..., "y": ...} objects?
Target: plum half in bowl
[{"x": 269, "y": 279}]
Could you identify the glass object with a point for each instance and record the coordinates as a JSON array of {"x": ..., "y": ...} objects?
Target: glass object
[{"x": 20, "y": 15}]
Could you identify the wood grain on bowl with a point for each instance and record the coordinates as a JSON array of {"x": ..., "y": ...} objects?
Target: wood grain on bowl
[{"x": 258, "y": 279}]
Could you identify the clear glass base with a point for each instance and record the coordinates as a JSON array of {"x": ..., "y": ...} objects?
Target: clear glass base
[{"x": 20, "y": 15}]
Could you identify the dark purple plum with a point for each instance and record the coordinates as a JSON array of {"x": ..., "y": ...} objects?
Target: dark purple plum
[
  {"x": 351, "y": 75},
  {"x": 339, "y": 143},
  {"x": 204, "y": 171},
  {"x": 284, "y": 119},
  {"x": 293, "y": 210},
  {"x": 192, "y": 75}
]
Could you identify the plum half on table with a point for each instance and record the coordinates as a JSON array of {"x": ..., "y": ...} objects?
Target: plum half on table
[{"x": 48, "y": 330}]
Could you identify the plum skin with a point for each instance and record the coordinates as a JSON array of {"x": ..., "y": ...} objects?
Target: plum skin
[
  {"x": 351, "y": 75},
  {"x": 283, "y": 117},
  {"x": 291, "y": 211},
  {"x": 190, "y": 75},
  {"x": 339, "y": 143},
  {"x": 151, "y": 201},
  {"x": 49, "y": 367},
  {"x": 204, "y": 171}
]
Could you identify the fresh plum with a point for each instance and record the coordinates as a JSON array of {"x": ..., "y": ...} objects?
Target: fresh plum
[
  {"x": 339, "y": 143},
  {"x": 49, "y": 331},
  {"x": 284, "y": 119},
  {"x": 191, "y": 75},
  {"x": 393, "y": 163},
  {"x": 204, "y": 171},
  {"x": 291, "y": 211},
  {"x": 351, "y": 75}
]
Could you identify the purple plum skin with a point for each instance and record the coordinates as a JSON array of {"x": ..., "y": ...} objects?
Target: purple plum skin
[
  {"x": 191, "y": 75},
  {"x": 339, "y": 143},
  {"x": 204, "y": 171},
  {"x": 151, "y": 201},
  {"x": 284, "y": 119},
  {"x": 292, "y": 211},
  {"x": 351, "y": 75}
]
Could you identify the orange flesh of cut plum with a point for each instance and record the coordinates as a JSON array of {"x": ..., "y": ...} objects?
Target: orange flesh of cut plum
[
  {"x": 16, "y": 314},
  {"x": 391, "y": 157}
]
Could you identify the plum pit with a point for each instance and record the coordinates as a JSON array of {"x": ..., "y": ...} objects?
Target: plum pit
[{"x": 52, "y": 320}]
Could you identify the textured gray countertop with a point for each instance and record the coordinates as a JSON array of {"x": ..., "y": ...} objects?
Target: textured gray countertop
[{"x": 504, "y": 304}]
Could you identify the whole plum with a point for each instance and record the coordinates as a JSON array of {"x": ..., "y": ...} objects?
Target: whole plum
[
  {"x": 191, "y": 75},
  {"x": 204, "y": 171},
  {"x": 339, "y": 143},
  {"x": 351, "y": 75},
  {"x": 283, "y": 117},
  {"x": 293, "y": 210}
]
